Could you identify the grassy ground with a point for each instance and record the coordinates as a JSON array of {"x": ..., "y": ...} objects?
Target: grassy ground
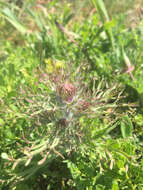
[{"x": 71, "y": 106}]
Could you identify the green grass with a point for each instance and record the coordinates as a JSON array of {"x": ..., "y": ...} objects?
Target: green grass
[
  {"x": 117, "y": 7},
  {"x": 71, "y": 105}
]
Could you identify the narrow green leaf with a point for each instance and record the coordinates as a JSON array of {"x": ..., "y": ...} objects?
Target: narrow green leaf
[
  {"x": 2, "y": 82},
  {"x": 99, "y": 4},
  {"x": 36, "y": 18},
  {"x": 126, "y": 127},
  {"x": 14, "y": 20},
  {"x": 104, "y": 131}
]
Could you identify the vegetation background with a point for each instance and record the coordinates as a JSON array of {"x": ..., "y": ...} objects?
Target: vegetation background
[{"x": 71, "y": 95}]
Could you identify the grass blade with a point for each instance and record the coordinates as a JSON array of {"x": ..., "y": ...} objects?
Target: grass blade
[{"x": 14, "y": 20}]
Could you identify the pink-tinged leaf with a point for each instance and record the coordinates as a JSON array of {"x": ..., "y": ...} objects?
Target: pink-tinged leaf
[
  {"x": 130, "y": 69},
  {"x": 43, "y": 9}
]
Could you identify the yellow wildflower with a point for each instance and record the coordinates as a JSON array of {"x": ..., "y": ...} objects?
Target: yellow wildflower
[
  {"x": 49, "y": 66},
  {"x": 53, "y": 66},
  {"x": 59, "y": 64}
]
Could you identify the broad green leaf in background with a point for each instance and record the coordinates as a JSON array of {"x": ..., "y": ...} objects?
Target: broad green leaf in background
[
  {"x": 115, "y": 186},
  {"x": 100, "y": 187},
  {"x": 1, "y": 121}
]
